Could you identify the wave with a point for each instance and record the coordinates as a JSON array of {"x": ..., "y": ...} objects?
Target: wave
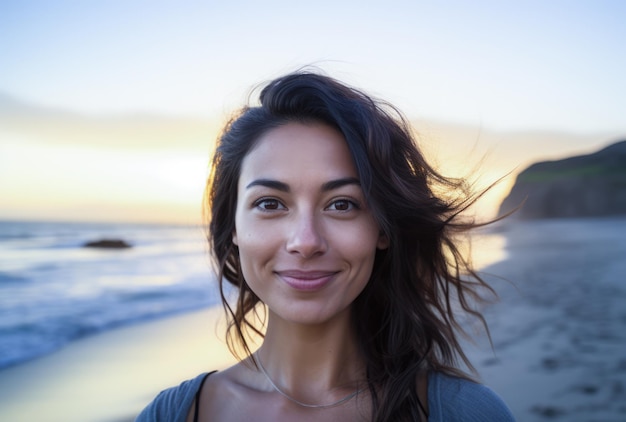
[{"x": 54, "y": 291}]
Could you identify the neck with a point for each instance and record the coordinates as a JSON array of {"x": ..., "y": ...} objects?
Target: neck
[{"x": 314, "y": 363}]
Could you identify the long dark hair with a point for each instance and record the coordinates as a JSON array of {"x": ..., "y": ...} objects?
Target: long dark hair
[{"x": 404, "y": 319}]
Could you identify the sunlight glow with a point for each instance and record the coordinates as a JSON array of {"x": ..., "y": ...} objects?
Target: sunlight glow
[{"x": 99, "y": 182}]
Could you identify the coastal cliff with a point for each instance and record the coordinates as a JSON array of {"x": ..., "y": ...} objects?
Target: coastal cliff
[{"x": 582, "y": 186}]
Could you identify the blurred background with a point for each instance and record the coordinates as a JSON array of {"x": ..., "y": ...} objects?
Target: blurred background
[{"x": 109, "y": 111}]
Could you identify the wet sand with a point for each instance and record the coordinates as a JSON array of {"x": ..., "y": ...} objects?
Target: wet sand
[
  {"x": 110, "y": 377},
  {"x": 560, "y": 333}
]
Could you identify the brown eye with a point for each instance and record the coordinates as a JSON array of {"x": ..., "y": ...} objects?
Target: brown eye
[
  {"x": 342, "y": 205},
  {"x": 269, "y": 204}
]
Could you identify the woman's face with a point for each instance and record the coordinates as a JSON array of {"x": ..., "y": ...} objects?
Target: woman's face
[{"x": 306, "y": 238}]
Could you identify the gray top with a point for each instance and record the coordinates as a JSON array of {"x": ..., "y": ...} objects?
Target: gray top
[{"x": 450, "y": 399}]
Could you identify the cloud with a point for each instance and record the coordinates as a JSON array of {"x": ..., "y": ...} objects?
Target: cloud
[
  {"x": 131, "y": 160},
  {"x": 128, "y": 131}
]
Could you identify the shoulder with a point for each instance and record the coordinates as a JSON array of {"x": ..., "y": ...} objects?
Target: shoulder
[
  {"x": 172, "y": 404},
  {"x": 456, "y": 399}
]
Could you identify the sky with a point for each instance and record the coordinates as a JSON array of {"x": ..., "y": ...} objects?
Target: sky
[{"x": 109, "y": 109}]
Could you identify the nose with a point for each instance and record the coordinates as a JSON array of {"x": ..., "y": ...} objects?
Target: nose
[{"x": 305, "y": 236}]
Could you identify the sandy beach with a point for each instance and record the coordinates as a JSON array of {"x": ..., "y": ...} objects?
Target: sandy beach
[
  {"x": 559, "y": 335},
  {"x": 110, "y": 377},
  {"x": 559, "y": 329}
]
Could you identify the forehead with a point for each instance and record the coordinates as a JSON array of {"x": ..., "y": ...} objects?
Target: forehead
[{"x": 298, "y": 150}]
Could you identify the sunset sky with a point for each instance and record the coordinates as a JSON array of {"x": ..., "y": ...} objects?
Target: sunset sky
[{"x": 108, "y": 109}]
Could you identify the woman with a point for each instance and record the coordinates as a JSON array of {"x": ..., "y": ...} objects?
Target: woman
[{"x": 339, "y": 236}]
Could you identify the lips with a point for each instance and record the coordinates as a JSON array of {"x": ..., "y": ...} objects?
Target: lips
[{"x": 306, "y": 280}]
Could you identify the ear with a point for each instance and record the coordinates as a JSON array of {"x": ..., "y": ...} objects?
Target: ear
[
  {"x": 235, "y": 238},
  {"x": 383, "y": 241}
]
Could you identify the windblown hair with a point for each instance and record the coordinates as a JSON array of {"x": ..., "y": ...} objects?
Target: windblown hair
[{"x": 404, "y": 318}]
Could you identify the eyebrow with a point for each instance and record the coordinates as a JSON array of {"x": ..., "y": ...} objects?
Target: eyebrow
[
  {"x": 269, "y": 183},
  {"x": 336, "y": 184},
  {"x": 328, "y": 186}
]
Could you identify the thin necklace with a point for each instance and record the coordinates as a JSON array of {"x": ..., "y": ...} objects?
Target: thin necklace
[{"x": 299, "y": 403}]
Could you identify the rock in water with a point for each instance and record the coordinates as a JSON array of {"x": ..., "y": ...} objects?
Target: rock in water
[
  {"x": 582, "y": 186},
  {"x": 108, "y": 244}
]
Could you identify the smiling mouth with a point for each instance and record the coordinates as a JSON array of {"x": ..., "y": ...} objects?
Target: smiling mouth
[{"x": 306, "y": 280}]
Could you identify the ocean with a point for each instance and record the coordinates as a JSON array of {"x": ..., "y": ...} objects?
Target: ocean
[{"x": 54, "y": 291}]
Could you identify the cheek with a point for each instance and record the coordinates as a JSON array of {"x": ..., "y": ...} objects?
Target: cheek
[
  {"x": 358, "y": 247},
  {"x": 363, "y": 240},
  {"x": 251, "y": 258},
  {"x": 257, "y": 245}
]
